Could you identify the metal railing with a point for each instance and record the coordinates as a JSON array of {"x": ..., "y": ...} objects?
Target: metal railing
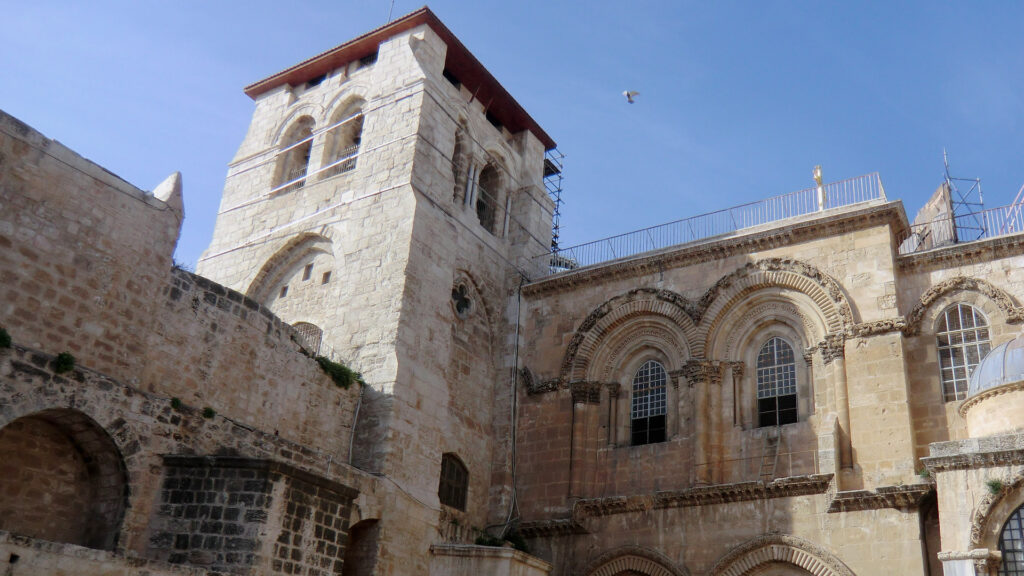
[
  {"x": 748, "y": 469},
  {"x": 835, "y": 195},
  {"x": 345, "y": 161},
  {"x": 964, "y": 228}
]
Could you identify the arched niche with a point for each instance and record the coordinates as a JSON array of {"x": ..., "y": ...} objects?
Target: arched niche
[
  {"x": 287, "y": 267},
  {"x": 342, "y": 140},
  {"x": 633, "y": 560},
  {"x": 779, "y": 555},
  {"x": 64, "y": 479}
]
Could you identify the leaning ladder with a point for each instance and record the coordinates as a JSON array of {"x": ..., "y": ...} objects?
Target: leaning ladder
[{"x": 769, "y": 456}]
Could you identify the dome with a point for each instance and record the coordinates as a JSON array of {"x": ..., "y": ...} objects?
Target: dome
[{"x": 1003, "y": 365}]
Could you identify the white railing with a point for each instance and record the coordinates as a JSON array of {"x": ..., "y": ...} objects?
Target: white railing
[
  {"x": 837, "y": 194},
  {"x": 981, "y": 225}
]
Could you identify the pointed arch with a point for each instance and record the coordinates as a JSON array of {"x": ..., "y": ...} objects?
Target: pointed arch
[
  {"x": 1003, "y": 301},
  {"x": 779, "y": 548},
  {"x": 295, "y": 249},
  {"x": 672, "y": 307},
  {"x": 633, "y": 559}
]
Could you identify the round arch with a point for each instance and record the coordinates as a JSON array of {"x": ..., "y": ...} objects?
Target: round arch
[
  {"x": 993, "y": 510},
  {"x": 70, "y": 482},
  {"x": 633, "y": 560},
  {"x": 824, "y": 296},
  {"x": 672, "y": 308},
  {"x": 313, "y": 112},
  {"x": 752, "y": 557}
]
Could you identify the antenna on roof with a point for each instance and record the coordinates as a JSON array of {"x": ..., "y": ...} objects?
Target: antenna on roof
[{"x": 390, "y": 10}]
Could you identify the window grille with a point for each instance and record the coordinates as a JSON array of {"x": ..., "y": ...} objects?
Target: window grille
[
  {"x": 647, "y": 413},
  {"x": 454, "y": 482},
  {"x": 776, "y": 384},
  {"x": 1011, "y": 544},
  {"x": 310, "y": 336},
  {"x": 963, "y": 340}
]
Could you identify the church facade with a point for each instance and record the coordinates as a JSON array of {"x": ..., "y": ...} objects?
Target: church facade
[{"x": 811, "y": 384}]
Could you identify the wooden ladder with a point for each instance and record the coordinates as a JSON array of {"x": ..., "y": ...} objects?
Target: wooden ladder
[{"x": 769, "y": 456}]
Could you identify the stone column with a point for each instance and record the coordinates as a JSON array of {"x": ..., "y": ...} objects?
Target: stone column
[
  {"x": 613, "y": 414},
  {"x": 833, "y": 351},
  {"x": 703, "y": 376},
  {"x": 583, "y": 393}
]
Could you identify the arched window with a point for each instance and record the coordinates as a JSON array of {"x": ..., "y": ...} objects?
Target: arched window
[
  {"x": 293, "y": 161},
  {"x": 963, "y": 341},
  {"x": 454, "y": 482},
  {"x": 647, "y": 410},
  {"x": 776, "y": 384},
  {"x": 1011, "y": 544},
  {"x": 487, "y": 195},
  {"x": 344, "y": 140},
  {"x": 310, "y": 336}
]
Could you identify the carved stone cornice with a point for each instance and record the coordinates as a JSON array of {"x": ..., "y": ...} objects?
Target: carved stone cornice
[
  {"x": 833, "y": 347},
  {"x": 551, "y": 528},
  {"x": 614, "y": 389},
  {"x": 865, "y": 329},
  {"x": 974, "y": 460},
  {"x": 585, "y": 392},
  {"x": 990, "y": 393},
  {"x": 905, "y": 497},
  {"x": 813, "y": 226},
  {"x": 534, "y": 386},
  {"x": 703, "y": 496},
  {"x": 702, "y": 371},
  {"x": 984, "y": 560},
  {"x": 737, "y": 367},
  {"x": 963, "y": 254}
]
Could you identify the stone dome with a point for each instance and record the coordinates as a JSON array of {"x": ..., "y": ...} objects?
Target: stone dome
[{"x": 1003, "y": 365}]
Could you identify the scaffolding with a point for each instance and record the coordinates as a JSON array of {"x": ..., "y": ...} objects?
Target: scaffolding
[
  {"x": 553, "y": 161},
  {"x": 965, "y": 205}
]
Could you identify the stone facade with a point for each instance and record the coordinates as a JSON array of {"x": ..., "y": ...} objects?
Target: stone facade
[{"x": 385, "y": 211}]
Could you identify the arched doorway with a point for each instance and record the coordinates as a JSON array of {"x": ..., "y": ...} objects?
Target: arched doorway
[{"x": 61, "y": 479}]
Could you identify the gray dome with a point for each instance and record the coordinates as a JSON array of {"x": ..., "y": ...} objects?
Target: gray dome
[{"x": 1003, "y": 365}]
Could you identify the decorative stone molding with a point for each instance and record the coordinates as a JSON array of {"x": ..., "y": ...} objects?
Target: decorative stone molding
[
  {"x": 614, "y": 389},
  {"x": 817, "y": 277},
  {"x": 632, "y": 560},
  {"x": 737, "y": 367},
  {"x": 906, "y": 497},
  {"x": 758, "y": 314},
  {"x": 985, "y": 561},
  {"x": 644, "y": 301},
  {"x": 771, "y": 548},
  {"x": 974, "y": 460},
  {"x": 584, "y": 392},
  {"x": 963, "y": 254},
  {"x": 865, "y": 329},
  {"x": 833, "y": 347},
  {"x": 991, "y": 392},
  {"x": 1005, "y": 303},
  {"x": 702, "y": 496},
  {"x": 987, "y": 506},
  {"x": 702, "y": 371},
  {"x": 888, "y": 213},
  {"x": 551, "y": 528},
  {"x": 525, "y": 379}
]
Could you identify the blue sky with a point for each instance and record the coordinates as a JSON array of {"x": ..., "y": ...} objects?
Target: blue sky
[{"x": 739, "y": 100}]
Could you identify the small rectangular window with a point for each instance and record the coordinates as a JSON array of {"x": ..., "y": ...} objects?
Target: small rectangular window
[
  {"x": 451, "y": 78},
  {"x": 326, "y": 277},
  {"x": 307, "y": 272},
  {"x": 284, "y": 291},
  {"x": 315, "y": 81},
  {"x": 368, "y": 60}
]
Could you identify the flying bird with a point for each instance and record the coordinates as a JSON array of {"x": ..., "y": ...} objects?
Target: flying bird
[{"x": 630, "y": 95}]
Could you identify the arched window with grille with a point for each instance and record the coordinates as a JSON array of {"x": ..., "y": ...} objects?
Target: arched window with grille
[
  {"x": 963, "y": 340},
  {"x": 488, "y": 195},
  {"x": 776, "y": 384},
  {"x": 1011, "y": 544},
  {"x": 344, "y": 140},
  {"x": 310, "y": 336},
  {"x": 454, "y": 482},
  {"x": 293, "y": 160},
  {"x": 647, "y": 408}
]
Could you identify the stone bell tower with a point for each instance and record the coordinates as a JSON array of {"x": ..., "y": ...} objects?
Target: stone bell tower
[{"x": 385, "y": 202}]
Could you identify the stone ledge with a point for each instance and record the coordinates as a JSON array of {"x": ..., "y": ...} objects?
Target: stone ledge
[
  {"x": 958, "y": 255},
  {"x": 491, "y": 552},
  {"x": 704, "y": 495},
  {"x": 898, "y": 497},
  {"x": 263, "y": 465},
  {"x": 111, "y": 561},
  {"x": 551, "y": 528}
]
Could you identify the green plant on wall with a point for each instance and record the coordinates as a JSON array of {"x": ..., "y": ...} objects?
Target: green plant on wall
[
  {"x": 342, "y": 375},
  {"x": 209, "y": 412},
  {"x": 5, "y": 338},
  {"x": 64, "y": 362},
  {"x": 995, "y": 485}
]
